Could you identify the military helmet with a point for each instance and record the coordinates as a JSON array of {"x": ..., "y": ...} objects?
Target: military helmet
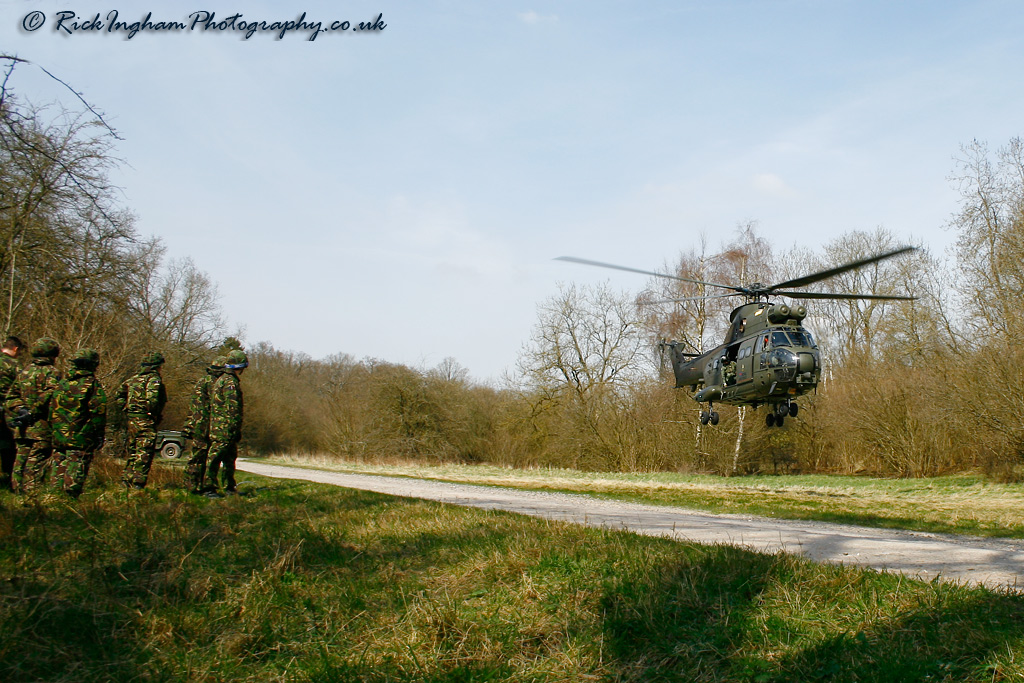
[
  {"x": 218, "y": 363},
  {"x": 45, "y": 348},
  {"x": 236, "y": 360},
  {"x": 153, "y": 359},
  {"x": 86, "y": 358}
]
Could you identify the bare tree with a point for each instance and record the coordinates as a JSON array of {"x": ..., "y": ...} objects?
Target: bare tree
[
  {"x": 177, "y": 303},
  {"x": 990, "y": 223},
  {"x": 587, "y": 339},
  {"x": 584, "y": 355},
  {"x": 855, "y": 330}
]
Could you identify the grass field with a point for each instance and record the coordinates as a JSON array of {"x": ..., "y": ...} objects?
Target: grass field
[
  {"x": 964, "y": 504},
  {"x": 306, "y": 582}
]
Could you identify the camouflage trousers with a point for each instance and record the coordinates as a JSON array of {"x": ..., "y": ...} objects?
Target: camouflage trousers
[
  {"x": 31, "y": 464},
  {"x": 141, "y": 448},
  {"x": 195, "y": 470},
  {"x": 71, "y": 468},
  {"x": 223, "y": 453},
  {"x": 8, "y": 454}
]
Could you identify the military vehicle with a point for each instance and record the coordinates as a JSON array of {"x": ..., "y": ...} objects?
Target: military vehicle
[
  {"x": 768, "y": 357},
  {"x": 170, "y": 443}
]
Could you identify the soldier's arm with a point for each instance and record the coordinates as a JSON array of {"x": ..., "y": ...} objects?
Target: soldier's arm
[
  {"x": 233, "y": 407},
  {"x": 152, "y": 390},
  {"x": 98, "y": 411},
  {"x": 121, "y": 397},
  {"x": 14, "y": 400},
  {"x": 98, "y": 404},
  {"x": 52, "y": 381},
  {"x": 8, "y": 375},
  {"x": 39, "y": 405},
  {"x": 149, "y": 393},
  {"x": 160, "y": 400},
  {"x": 193, "y": 408}
]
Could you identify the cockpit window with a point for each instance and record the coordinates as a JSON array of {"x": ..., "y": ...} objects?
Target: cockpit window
[
  {"x": 801, "y": 338},
  {"x": 793, "y": 338}
]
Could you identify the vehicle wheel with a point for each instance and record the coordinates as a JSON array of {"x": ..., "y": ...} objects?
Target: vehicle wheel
[
  {"x": 793, "y": 409},
  {"x": 769, "y": 420},
  {"x": 782, "y": 410},
  {"x": 714, "y": 417},
  {"x": 170, "y": 450},
  {"x": 778, "y": 420}
]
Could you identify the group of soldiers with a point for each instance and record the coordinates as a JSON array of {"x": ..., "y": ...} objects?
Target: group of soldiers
[
  {"x": 59, "y": 423},
  {"x": 214, "y": 425}
]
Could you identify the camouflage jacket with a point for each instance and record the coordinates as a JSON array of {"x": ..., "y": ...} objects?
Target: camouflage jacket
[
  {"x": 197, "y": 424},
  {"x": 143, "y": 394},
  {"x": 226, "y": 408},
  {"x": 8, "y": 374},
  {"x": 78, "y": 412},
  {"x": 32, "y": 391}
]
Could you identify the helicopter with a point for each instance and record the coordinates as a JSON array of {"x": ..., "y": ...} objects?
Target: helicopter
[{"x": 768, "y": 357}]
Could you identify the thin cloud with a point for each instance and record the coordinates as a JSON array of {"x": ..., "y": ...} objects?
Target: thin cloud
[
  {"x": 772, "y": 185},
  {"x": 532, "y": 17}
]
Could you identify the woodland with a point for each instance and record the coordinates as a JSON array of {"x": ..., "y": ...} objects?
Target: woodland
[{"x": 930, "y": 386}]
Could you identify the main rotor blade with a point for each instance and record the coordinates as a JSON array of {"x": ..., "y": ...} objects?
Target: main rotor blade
[
  {"x": 831, "y": 272},
  {"x": 824, "y": 295},
  {"x": 587, "y": 262},
  {"x": 690, "y": 298}
]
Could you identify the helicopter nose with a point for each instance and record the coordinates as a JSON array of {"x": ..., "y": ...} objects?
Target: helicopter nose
[{"x": 806, "y": 363}]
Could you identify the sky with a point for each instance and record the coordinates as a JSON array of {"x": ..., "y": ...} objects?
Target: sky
[{"x": 401, "y": 192}]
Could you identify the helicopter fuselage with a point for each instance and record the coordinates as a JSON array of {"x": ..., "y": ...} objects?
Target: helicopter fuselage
[{"x": 768, "y": 358}]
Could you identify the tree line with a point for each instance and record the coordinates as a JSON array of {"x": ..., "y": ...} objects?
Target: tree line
[
  {"x": 909, "y": 388},
  {"x": 929, "y": 386}
]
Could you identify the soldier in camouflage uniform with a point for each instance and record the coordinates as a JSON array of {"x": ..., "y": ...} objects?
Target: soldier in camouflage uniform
[
  {"x": 197, "y": 425},
  {"x": 226, "y": 421},
  {"x": 9, "y": 370},
  {"x": 142, "y": 398},
  {"x": 28, "y": 415},
  {"x": 78, "y": 417}
]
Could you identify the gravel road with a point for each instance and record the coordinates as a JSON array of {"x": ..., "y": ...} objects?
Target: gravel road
[{"x": 992, "y": 562}]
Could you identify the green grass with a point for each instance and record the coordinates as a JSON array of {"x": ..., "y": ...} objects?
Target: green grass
[
  {"x": 306, "y": 582},
  {"x": 961, "y": 504}
]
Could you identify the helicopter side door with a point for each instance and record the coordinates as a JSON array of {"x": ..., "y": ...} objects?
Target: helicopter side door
[
  {"x": 759, "y": 361},
  {"x": 713, "y": 372},
  {"x": 745, "y": 362}
]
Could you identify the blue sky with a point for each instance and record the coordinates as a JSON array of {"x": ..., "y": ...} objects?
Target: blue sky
[{"x": 401, "y": 194}]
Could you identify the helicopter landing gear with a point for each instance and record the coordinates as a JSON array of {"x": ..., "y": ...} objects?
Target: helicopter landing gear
[
  {"x": 777, "y": 416},
  {"x": 709, "y": 416}
]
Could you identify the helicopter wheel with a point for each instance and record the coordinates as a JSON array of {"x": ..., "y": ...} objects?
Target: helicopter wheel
[
  {"x": 714, "y": 417},
  {"x": 769, "y": 420},
  {"x": 705, "y": 417},
  {"x": 793, "y": 409},
  {"x": 782, "y": 410},
  {"x": 779, "y": 420}
]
